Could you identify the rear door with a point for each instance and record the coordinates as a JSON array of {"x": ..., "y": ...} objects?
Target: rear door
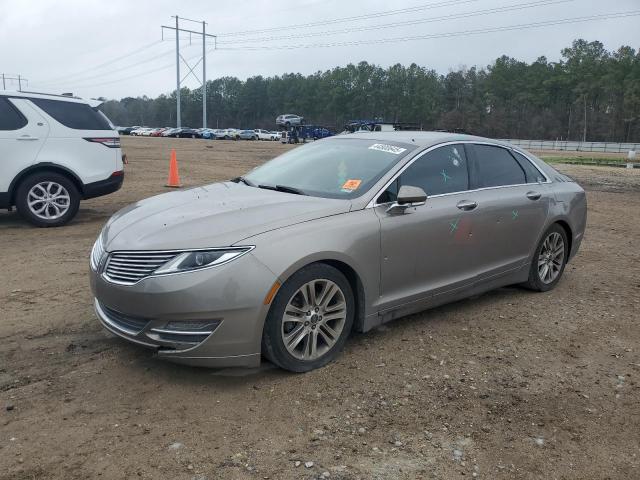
[
  {"x": 22, "y": 134},
  {"x": 513, "y": 202},
  {"x": 75, "y": 128}
]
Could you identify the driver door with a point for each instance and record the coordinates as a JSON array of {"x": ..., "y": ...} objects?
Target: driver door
[{"x": 426, "y": 250}]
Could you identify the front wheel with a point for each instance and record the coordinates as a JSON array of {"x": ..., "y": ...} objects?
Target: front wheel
[
  {"x": 47, "y": 199},
  {"x": 309, "y": 320},
  {"x": 549, "y": 260}
]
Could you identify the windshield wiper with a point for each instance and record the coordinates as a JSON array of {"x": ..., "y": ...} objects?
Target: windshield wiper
[
  {"x": 243, "y": 180},
  {"x": 283, "y": 188}
]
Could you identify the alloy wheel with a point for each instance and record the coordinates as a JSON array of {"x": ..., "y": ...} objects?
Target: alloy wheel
[
  {"x": 48, "y": 200},
  {"x": 313, "y": 319},
  {"x": 551, "y": 258}
]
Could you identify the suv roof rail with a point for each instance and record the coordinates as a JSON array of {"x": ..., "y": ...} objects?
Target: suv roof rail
[{"x": 65, "y": 95}]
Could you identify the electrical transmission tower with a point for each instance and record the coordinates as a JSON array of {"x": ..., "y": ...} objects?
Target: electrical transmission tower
[
  {"x": 203, "y": 59},
  {"x": 12, "y": 79}
]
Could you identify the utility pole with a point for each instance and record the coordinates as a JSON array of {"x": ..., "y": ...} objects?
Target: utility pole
[
  {"x": 204, "y": 75},
  {"x": 191, "y": 69},
  {"x": 584, "y": 133},
  {"x": 10, "y": 79},
  {"x": 177, "y": 74}
]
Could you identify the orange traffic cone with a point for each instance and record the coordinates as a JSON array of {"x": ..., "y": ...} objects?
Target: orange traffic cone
[{"x": 174, "y": 176}]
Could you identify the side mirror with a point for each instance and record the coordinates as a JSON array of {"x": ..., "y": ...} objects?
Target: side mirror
[{"x": 408, "y": 196}]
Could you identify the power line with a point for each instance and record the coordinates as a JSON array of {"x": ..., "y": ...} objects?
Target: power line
[
  {"x": 353, "y": 18},
  {"x": 632, "y": 13},
  {"x": 129, "y": 77},
  {"x": 453, "y": 16},
  {"x": 111, "y": 71},
  {"x": 109, "y": 62}
]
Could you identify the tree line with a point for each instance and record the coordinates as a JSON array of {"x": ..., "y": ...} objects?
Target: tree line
[{"x": 591, "y": 94}]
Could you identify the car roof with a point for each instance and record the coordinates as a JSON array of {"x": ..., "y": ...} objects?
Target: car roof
[
  {"x": 422, "y": 139},
  {"x": 49, "y": 96}
]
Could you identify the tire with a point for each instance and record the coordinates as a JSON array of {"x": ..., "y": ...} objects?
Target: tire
[
  {"x": 541, "y": 279},
  {"x": 330, "y": 335},
  {"x": 59, "y": 211}
]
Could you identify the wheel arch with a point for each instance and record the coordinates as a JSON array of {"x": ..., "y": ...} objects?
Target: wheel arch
[
  {"x": 43, "y": 167},
  {"x": 567, "y": 230},
  {"x": 349, "y": 271}
]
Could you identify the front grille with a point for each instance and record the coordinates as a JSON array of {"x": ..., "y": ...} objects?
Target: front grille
[
  {"x": 126, "y": 323},
  {"x": 131, "y": 267}
]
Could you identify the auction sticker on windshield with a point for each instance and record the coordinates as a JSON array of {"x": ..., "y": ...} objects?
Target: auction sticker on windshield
[
  {"x": 387, "y": 148},
  {"x": 351, "y": 185}
]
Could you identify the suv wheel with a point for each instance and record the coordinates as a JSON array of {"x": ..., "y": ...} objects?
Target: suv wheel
[
  {"x": 47, "y": 199},
  {"x": 309, "y": 320}
]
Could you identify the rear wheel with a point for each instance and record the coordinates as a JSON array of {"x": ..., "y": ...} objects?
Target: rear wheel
[
  {"x": 549, "y": 260},
  {"x": 47, "y": 199},
  {"x": 309, "y": 320}
]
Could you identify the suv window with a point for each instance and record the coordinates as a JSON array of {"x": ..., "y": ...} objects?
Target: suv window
[
  {"x": 532, "y": 173},
  {"x": 10, "y": 117},
  {"x": 497, "y": 167},
  {"x": 443, "y": 170},
  {"x": 79, "y": 116}
]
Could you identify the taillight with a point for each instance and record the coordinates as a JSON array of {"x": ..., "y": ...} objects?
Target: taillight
[{"x": 111, "y": 142}]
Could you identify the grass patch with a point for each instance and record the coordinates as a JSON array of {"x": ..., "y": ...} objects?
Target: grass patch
[{"x": 586, "y": 160}]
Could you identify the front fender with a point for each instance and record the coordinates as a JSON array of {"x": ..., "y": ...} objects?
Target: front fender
[{"x": 352, "y": 238}]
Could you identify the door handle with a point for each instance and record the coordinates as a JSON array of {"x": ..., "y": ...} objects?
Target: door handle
[
  {"x": 466, "y": 205},
  {"x": 534, "y": 195},
  {"x": 27, "y": 137}
]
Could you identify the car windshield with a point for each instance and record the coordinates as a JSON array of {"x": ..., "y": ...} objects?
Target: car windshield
[{"x": 338, "y": 168}]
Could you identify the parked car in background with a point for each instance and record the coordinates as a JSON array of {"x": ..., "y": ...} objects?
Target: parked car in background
[
  {"x": 231, "y": 134},
  {"x": 302, "y": 260},
  {"x": 289, "y": 119},
  {"x": 169, "y": 132},
  {"x": 275, "y": 135},
  {"x": 208, "y": 133},
  {"x": 55, "y": 151},
  {"x": 124, "y": 130},
  {"x": 157, "y": 132},
  {"x": 188, "y": 133},
  {"x": 247, "y": 135},
  {"x": 263, "y": 134}
]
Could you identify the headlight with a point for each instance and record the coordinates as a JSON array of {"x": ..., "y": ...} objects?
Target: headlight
[
  {"x": 188, "y": 261},
  {"x": 97, "y": 253}
]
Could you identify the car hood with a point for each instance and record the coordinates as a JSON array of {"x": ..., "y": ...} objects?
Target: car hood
[{"x": 216, "y": 215}]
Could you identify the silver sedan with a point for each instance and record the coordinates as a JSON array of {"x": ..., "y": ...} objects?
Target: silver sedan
[{"x": 343, "y": 234}]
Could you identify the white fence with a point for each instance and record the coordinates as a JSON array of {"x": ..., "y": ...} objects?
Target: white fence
[{"x": 609, "y": 147}]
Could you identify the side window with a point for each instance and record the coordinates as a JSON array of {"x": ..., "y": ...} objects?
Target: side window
[
  {"x": 531, "y": 172},
  {"x": 443, "y": 170},
  {"x": 496, "y": 167},
  {"x": 10, "y": 117},
  {"x": 79, "y": 116}
]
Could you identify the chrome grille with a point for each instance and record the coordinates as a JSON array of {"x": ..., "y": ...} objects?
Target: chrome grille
[{"x": 130, "y": 267}]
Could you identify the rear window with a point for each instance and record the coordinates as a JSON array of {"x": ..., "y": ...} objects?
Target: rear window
[
  {"x": 532, "y": 173},
  {"x": 10, "y": 117},
  {"x": 496, "y": 167},
  {"x": 78, "y": 116}
]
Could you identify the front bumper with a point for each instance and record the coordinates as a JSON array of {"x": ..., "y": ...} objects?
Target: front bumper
[{"x": 225, "y": 305}]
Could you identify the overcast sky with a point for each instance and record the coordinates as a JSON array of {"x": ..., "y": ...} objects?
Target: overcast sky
[{"x": 106, "y": 48}]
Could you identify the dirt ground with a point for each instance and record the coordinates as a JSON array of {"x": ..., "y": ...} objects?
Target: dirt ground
[{"x": 511, "y": 384}]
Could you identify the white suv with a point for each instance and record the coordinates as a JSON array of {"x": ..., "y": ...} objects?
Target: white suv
[{"x": 55, "y": 151}]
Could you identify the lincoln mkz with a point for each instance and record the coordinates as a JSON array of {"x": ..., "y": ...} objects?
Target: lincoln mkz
[{"x": 337, "y": 236}]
